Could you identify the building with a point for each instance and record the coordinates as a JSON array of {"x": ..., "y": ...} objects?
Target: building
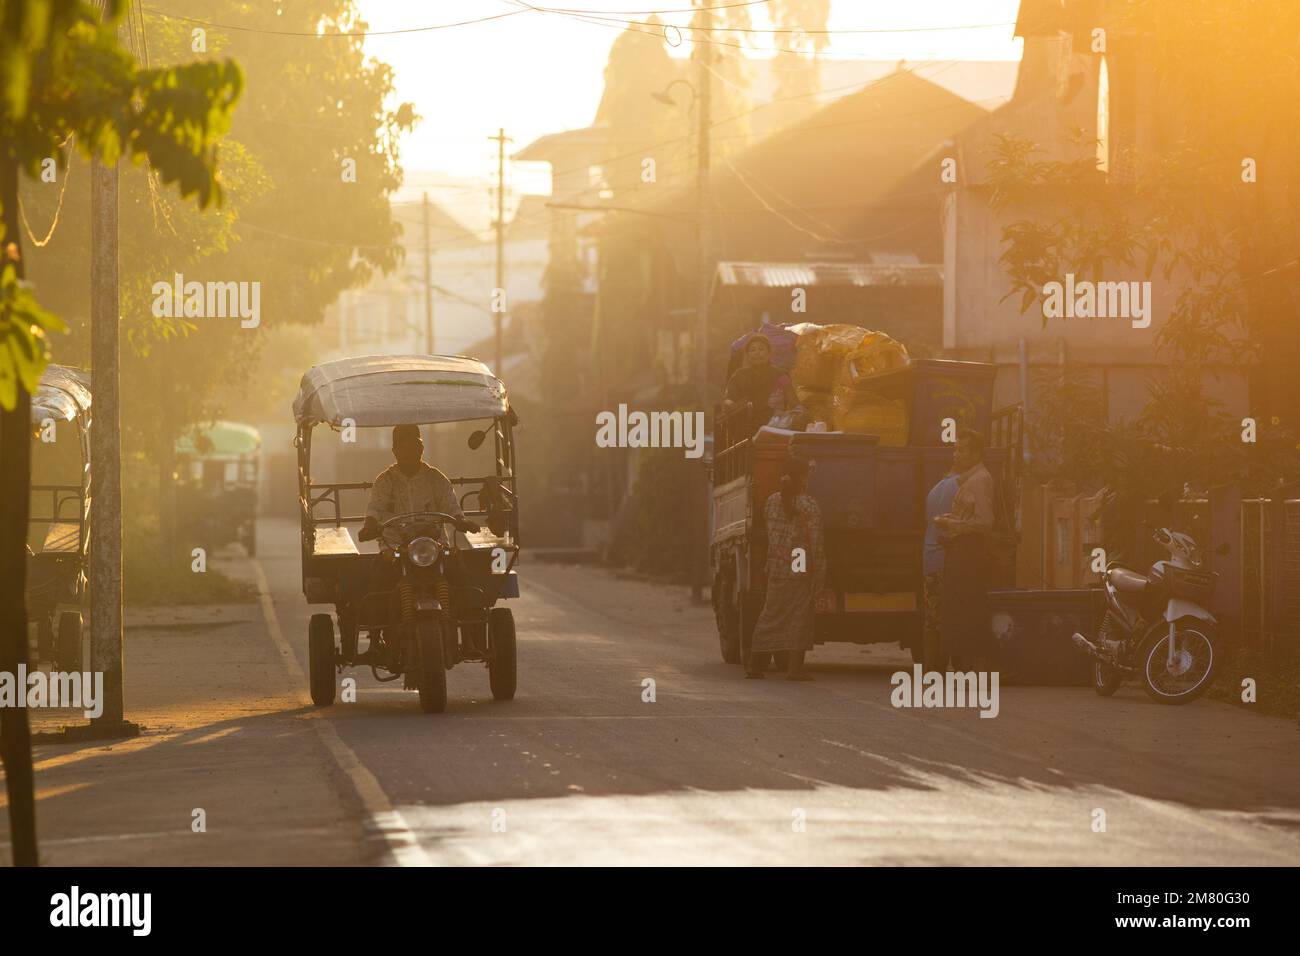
[{"x": 1064, "y": 93}]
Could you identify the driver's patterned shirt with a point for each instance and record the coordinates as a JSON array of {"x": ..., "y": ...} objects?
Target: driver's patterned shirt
[{"x": 428, "y": 490}]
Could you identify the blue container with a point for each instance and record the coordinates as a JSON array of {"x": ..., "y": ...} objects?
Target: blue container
[{"x": 1032, "y": 630}]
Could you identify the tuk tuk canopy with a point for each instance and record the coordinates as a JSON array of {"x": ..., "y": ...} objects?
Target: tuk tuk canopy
[
  {"x": 381, "y": 390},
  {"x": 220, "y": 440},
  {"x": 62, "y": 394}
]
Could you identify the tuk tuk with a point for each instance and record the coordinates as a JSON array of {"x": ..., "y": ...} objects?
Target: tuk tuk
[
  {"x": 58, "y": 539},
  {"x": 426, "y": 600},
  {"x": 216, "y": 486}
]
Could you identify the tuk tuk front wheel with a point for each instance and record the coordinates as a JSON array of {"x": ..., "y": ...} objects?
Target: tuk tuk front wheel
[
  {"x": 433, "y": 672},
  {"x": 68, "y": 649},
  {"x": 320, "y": 659},
  {"x": 503, "y": 667}
]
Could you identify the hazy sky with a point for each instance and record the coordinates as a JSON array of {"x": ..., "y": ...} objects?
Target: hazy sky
[{"x": 535, "y": 73}]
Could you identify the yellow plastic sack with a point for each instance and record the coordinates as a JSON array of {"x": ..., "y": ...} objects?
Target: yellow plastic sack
[
  {"x": 819, "y": 404},
  {"x": 869, "y": 414},
  {"x": 820, "y": 352},
  {"x": 876, "y": 353}
]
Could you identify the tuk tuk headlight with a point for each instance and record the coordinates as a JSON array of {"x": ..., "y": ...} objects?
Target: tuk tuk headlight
[{"x": 422, "y": 551}]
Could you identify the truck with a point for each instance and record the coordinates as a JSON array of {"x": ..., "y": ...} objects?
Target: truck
[{"x": 872, "y": 501}]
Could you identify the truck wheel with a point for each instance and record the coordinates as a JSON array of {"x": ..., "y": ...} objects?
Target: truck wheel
[
  {"x": 503, "y": 667},
  {"x": 751, "y": 606},
  {"x": 68, "y": 649},
  {"x": 728, "y": 622},
  {"x": 433, "y": 672},
  {"x": 932, "y": 656},
  {"x": 320, "y": 659}
]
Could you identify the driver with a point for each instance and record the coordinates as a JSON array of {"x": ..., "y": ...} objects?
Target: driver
[{"x": 410, "y": 485}]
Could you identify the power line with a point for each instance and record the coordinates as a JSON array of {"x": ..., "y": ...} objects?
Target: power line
[
  {"x": 773, "y": 29},
  {"x": 720, "y": 6},
  {"x": 321, "y": 36}
]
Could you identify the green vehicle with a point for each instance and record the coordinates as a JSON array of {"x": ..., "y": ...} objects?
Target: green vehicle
[{"x": 217, "y": 472}]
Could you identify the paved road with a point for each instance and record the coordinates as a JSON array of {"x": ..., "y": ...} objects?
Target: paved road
[{"x": 579, "y": 769}]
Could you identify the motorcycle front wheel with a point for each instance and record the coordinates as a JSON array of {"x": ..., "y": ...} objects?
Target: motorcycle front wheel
[{"x": 1186, "y": 674}]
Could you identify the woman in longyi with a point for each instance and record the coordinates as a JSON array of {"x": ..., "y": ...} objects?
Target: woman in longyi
[{"x": 796, "y": 571}]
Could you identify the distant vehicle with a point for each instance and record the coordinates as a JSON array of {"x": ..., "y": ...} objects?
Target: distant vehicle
[
  {"x": 872, "y": 500},
  {"x": 1157, "y": 627},
  {"x": 59, "y": 519},
  {"x": 217, "y": 469},
  {"x": 442, "y": 609}
]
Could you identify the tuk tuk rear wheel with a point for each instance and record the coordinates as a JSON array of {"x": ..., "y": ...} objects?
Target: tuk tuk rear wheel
[
  {"x": 320, "y": 659},
  {"x": 433, "y": 672},
  {"x": 503, "y": 666}
]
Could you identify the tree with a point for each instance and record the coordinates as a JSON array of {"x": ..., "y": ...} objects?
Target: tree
[
  {"x": 308, "y": 168},
  {"x": 800, "y": 35},
  {"x": 65, "y": 78}
]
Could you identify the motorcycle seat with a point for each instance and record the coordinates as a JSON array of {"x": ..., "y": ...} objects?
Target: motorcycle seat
[{"x": 1130, "y": 582}]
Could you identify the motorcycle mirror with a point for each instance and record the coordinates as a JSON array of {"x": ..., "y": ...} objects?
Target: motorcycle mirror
[{"x": 476, "y": 439}]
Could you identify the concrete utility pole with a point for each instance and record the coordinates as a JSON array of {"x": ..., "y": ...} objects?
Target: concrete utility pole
[
  {"x": 704, "y": 280},
  {"x": 105, "y": 453},
  {"x": 428, "y": 282},
  {"x": 499, "y": 307}
]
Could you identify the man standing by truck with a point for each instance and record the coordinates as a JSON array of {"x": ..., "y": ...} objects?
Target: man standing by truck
[
  {"x": 966, "y": 527},
  {"x": 937, "y": 502}
]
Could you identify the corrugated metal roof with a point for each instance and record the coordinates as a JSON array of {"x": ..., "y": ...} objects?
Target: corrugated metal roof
[{"x": 793, "y": 274}]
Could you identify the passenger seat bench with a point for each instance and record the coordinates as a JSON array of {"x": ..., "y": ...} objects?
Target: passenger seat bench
[{"x": 333, "y": 541}]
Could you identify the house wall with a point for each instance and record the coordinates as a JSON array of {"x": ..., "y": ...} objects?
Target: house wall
[{"x": 1057, "y": 94}]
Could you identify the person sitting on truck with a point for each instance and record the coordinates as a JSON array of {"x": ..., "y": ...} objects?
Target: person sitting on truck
[
  {"x": 796, "y": 572},
  {"x": 966, "y": 526},
  {"x": 760, "y": 383}
]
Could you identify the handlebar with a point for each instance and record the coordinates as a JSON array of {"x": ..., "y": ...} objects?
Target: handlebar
[{"x": 383, "y": 526}]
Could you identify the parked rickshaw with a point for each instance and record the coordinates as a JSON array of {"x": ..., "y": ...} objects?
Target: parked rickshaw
[
  {"x": 434, "y": 603},
  {"x": 58, "y": 541},
  {"x": 216, "y": 489}
]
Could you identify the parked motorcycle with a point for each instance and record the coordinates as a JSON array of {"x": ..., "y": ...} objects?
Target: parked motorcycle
[{"x": 1157, "y": 627}]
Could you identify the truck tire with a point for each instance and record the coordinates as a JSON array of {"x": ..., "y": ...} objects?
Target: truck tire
[
  {"x": 503, "y": 668},
  {"x": 728, "y": 623},
  {"x": 751, "y": 606},
  {"x": 320, "y": 659}
]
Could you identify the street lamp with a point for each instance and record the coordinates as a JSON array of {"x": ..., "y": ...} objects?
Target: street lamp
[{"x": 665, "y": 97}]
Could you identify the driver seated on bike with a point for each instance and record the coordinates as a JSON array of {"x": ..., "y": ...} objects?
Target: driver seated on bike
[{"x": 410, "y": 484}]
